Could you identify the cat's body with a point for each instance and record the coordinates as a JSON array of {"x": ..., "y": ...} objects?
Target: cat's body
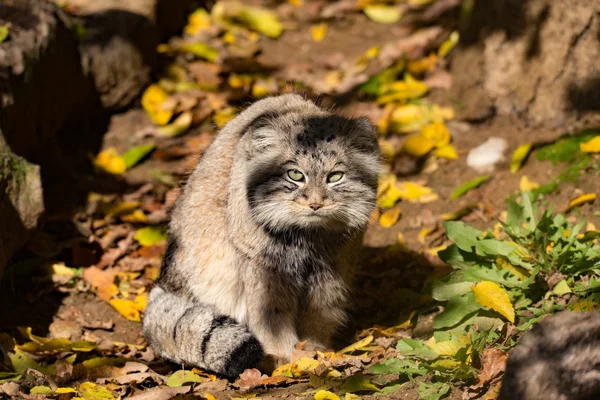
[
  {"x": 263, "y": 241},
  {"x": 558, "y": 360}
]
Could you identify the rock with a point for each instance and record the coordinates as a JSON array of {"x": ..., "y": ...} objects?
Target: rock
[
  {"x": 21, "y": 202},
  {"x": 484, "y": 157}
]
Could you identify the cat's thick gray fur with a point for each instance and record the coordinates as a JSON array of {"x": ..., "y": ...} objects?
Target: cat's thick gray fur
[
  {"x": 558, "y": 360},
  {"x": 250, "y": 267}
]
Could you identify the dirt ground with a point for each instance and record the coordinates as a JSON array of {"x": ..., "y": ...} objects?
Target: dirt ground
[{"x": 393, "y": 277}]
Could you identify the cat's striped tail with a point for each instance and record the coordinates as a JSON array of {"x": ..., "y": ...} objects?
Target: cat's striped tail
[{"x": 195, "y": 334}]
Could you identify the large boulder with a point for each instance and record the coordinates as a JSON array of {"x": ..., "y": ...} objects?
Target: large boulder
[{"x": 21, "y": 201}]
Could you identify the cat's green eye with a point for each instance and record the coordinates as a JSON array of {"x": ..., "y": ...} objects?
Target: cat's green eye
[
  {"x": 295, "y": 175},
  {"x": 335, "y": 177}
]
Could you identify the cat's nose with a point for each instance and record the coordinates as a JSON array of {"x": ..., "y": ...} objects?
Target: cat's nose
[{"x": 315, "y": 206}]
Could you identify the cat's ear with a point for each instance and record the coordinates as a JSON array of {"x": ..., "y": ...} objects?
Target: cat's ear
[
  {"x": 363, "y": 135},
  {"x": 263, "y": 137}
]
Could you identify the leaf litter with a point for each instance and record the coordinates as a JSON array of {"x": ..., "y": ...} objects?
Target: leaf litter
[{"x": 480, "y": 289}]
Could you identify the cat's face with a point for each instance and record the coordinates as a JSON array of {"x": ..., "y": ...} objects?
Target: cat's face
[{"x": 316, "y": 172}]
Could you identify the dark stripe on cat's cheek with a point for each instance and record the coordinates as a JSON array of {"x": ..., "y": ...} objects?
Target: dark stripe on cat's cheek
[
  {"x": 218, "y": 322},
  {"x": 247, "y": 355},
  {"x": 176, "y": 328}
]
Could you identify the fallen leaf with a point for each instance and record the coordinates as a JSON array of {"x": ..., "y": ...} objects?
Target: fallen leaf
[
  {"x": 519, "y": 156},
  {"x": 200, "y": 50},
  {"x": 318, "y": 31},
  {"x": 447, "y": 151},
  {"x": 198, "y": 21},
  {"x": 179, "y": 126},
  {"x": 161, "y": 393},
  {"x": 449, "y": 44},
  {"x": 437, "y": 132},
  {"x": 135, "y": 154},
  {"x": 91, "y": 391},
  {"x": 102, "y": 281},
  {"x": 414, "y": 192},
  {"x": 357, "y": 346},
  {"x": 126, "y": 308},
  {"x": 383, "y": 14},
  {"x": 458, "y": 214},
  {"x": 493, "y": 363},
  {"x": 4, "y": 29},
  {"x": 256, "y": 18},
  {"x": 526, "y": 185},
  {"x": 584, "y": 305},
  {"x": 140, "y": 302},
  {"x": 389, "y": 218},
  {"x": 579, "y": 200},
  {"x": 408, "y": 89},
  {"x": 491, "y": 295},
  {"x": 150, "y": 235},
  {"x": 465, "y": 187},
  {"x": 325, "y": 395},
  {"x": 110, "y": 161},
  {"x": 358, "y": 384},
  {"x": 418, "y": 145},
  {"x": 424, "y": 233},
  {"x": 21, "y": 361},
  {"x": 592, "y": 146},
  {"x": 178, "y": 378},
  {"x": 446, "y": 347},
  {"x": 152, "y": 100}
]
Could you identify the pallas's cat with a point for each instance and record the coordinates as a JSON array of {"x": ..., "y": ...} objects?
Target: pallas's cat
[{"x": 263, "y": 241}]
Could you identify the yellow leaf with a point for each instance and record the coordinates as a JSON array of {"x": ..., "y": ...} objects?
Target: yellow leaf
[
  {"x": 406, "y": 119},
  {"x": 208, "y": 396},
  {"x": 584, "y": 305},
  {"x": 417, "y": 145},
  {"x": 325, "y": 395},
  {"x": 116, "y": 210},
  {"x": 491, "y": 295},
  {"x": 389, "y": 218},
  {"x": 384, "y": 120},
  {"x": 198, "y": 21},
  {"x": 401, "y": 239},
  {"x": 445, "y": 348},
  {"x": 91, "y": 391},
  {"x": 264, "y": 87},
  {"x": 390, "y": 197},
  {"x": 296, "y": 3},
  {"x": 449, "y": 44},
  {"x": 224, "y": 116},
  {"x": 152, "y": 100},
  {"x": 351, "y": 396},
  {"x": 318, "y": 31},
  {"x": 299, "y": 368},
  {"x": 110, "y": 161},
  {"x": 584, "y": 198},
  {"x": 383, "y": 14},
  {"x": 140, "y": 302},
  {"x": 136, "y": 216},
  {"x": 408, "y": 89},
  {"x": 435, "y": 250},
  {"x": 62, "y": 269},
  {"x": 387, "y": 150},
  {"x": 447, "y": 151},
  {"x": 150, "y": 235},
  {"x": 179, "y": 126},
  {"x": 384, "y": 183},
  {"x": 357, "y": 346},
  {"x": 333, "y": 78},
  {"x": 517, "y": 271},
  {"x": 525, "y": 184},
  {"x": 414, "y": 192},
  {"x": 256, "y": 18},
  {"x": 437, "y": 133},
  {"x": 106, "y": 292},
  {"x": 422, "y": 65},
  {"x": 424, "y": 233},
  {"x": 126, "y": 308},
  {"x": 519, "y": 156},
  {"x": 592, "y": 146},
  {"x": 458, "y": 214}
]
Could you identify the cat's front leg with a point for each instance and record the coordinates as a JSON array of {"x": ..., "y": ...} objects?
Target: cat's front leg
[{"x": 272, "y": 320}]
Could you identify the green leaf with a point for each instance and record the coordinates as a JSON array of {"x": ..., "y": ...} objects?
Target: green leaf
[
  {"x": 389, "y": 389},
  {"x": 137, "y": 153},
  {"x": 397, "y": 366},
  {"x": 358, "y": 384},
  {"x": 566, "y": 149},
  {"x": 178, "y": 378},
  {"x": 416, "y": 349},
  {"x": 493, "y": 247},
  {"x": 462, "y": 234},
  {"x": 21, "y": 362},
  {"x": 465, "y": 187},
  {"x": 41, "y": 390},
  {"x": 371, "y": 86},
  {"x": 9, "y": 376},
  {"x": 457, "y": 309},
  {"x": 150, "y": 235},
  {"x": 433, "y": 391},
  {"x": 561, "y": 288},
  {"x": 445, "y": 291},
  {"x": 4, "y": 32}
]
